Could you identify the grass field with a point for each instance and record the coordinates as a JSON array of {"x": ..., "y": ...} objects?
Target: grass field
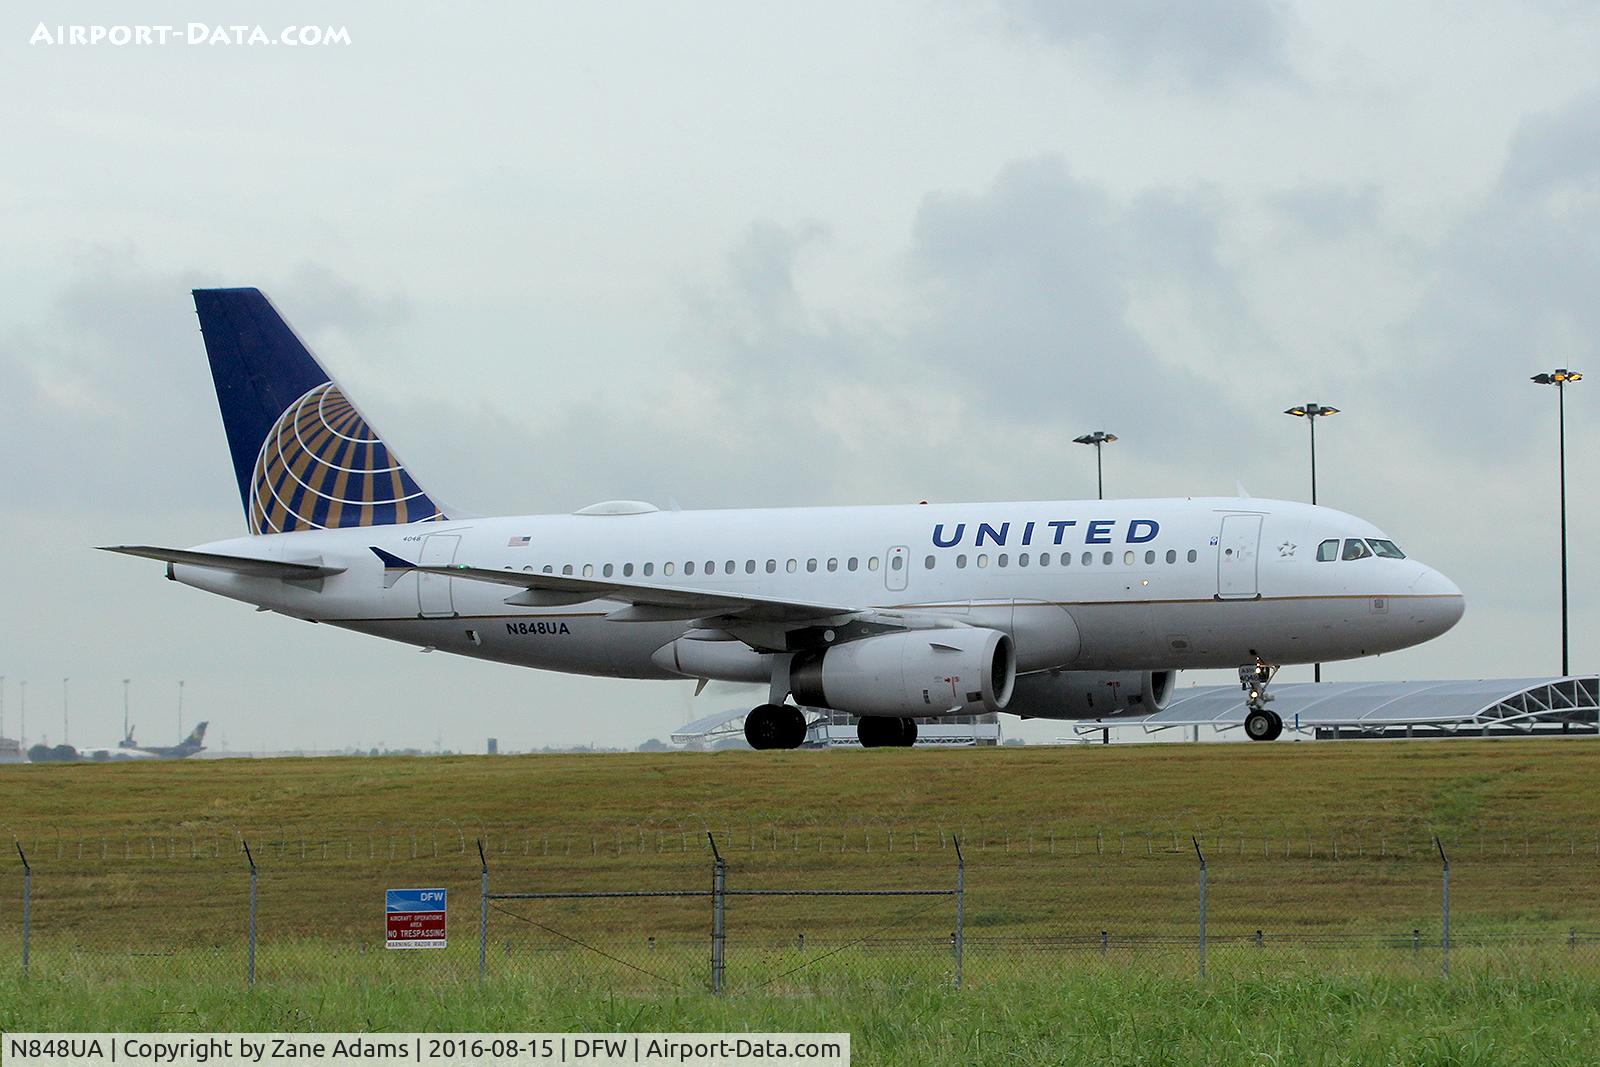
[{"x": 1080, "y": 905}]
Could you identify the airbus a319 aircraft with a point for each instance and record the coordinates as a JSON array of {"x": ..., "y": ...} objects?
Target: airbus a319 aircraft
[{"x": 1049, "y": 609}]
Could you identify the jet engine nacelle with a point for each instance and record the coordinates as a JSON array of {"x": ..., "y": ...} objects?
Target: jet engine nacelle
[
  {"x": 966, "y": 671},
  {"x": 1091, "y": 694}
]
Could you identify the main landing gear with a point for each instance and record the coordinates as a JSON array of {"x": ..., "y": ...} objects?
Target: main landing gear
[
  {"x": 1260, "y": 723},
  {"x": 775, "y": 726},
  {"x": 882, "y": 731}
]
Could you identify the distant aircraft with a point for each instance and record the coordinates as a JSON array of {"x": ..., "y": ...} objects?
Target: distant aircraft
[
  {"x": 1062, "y": 609},
  {"x": 128, "y": 748}
]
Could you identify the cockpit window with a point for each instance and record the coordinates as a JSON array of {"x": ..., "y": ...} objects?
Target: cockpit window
[
  {"x": 1355, "y": 548},
  {"x": 1386, "y": 549},
  {"x": 1328, "y": 550}
]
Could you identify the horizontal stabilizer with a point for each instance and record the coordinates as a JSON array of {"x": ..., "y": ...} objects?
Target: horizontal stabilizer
[{"x": 304, "y": 571}]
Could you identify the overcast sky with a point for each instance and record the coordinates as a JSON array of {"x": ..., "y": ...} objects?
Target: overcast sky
[{"x": 761, "y": 254}]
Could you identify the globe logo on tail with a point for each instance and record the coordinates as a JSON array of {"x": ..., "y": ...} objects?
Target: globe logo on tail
[{"x": 322, "y": 467}]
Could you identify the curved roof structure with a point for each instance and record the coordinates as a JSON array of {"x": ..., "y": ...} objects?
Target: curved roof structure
[{"x": 1500, "y": 705}]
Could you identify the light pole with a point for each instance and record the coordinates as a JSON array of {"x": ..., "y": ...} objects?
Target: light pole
[
  {"x": 1560, "y": 378},
  {"x": 1098, "y": 438},
  {"x": 180, "y": 709},
  {"x": 22, "y": 713},
  {"x": 66, "y": 737},
  {"x": 1311, "y": 412},
  {"x": 125, "y": 682},
  {"x": 2, "y": 705}
]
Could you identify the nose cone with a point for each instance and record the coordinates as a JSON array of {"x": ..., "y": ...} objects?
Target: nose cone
[{"x": 1437, "y": 602}]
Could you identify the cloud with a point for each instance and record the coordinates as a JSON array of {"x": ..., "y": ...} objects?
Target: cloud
[
  {"x": 1513, "y": 284},
  {"x": 1029, "y": 293},
  {"x": 1185, "y": 45}
]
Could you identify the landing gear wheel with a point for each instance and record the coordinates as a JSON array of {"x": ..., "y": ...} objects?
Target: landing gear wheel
[
  {"x": 908, "y": 733},
  {"x": 1263, "y": 725},
  {"x": 775, "y": 726},
  {"x": 877, "y": 731},
  {"x": 794, "y": 727}
]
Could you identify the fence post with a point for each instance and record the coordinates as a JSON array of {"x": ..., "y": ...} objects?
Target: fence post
[
  {"x": 961, "y": 911},
  {"x": 27, "y": 904},
  {"x": 483, "y": 912},
  {"x": 1202, "y": 857},
  {"x": 250, "y": 935},
  {"x": 719, "y": 885},
  {"x": 1444, "y": 936}
]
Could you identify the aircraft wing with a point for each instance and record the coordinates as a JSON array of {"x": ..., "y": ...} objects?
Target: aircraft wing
[
  {"x": 762, "y": 622},
  {"x": 300, "y": 571}
]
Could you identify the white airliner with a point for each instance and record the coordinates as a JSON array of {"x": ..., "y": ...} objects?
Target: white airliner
[{"x": 1050, "y": 609}]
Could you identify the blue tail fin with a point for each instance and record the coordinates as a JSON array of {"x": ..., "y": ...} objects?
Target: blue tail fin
[{"x": 305, "y": 458}]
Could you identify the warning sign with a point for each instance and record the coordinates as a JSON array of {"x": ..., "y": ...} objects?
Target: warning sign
[{"x": 416, "y": 918}]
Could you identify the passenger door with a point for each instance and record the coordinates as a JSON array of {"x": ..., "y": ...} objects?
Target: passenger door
[
  {"x": 1238, "y": 552},
  {"x": 434, "y": 599}
]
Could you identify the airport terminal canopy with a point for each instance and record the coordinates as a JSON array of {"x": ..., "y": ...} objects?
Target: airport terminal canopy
[{"x": 1464, "y": 707}]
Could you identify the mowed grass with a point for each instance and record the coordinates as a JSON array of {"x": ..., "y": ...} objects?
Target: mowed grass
[
  {"x": 1316, "y": 836},
  {"x": 140, "y": 889},
  {"x": 1404, "y": 787}
]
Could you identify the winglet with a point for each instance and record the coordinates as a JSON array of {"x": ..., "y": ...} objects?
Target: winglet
[{"x": 394, "y": 568}]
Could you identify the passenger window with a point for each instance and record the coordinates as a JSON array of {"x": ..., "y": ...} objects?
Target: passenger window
[
  {"x": 872, "y": 563},
  {"x": 749, "y": 566},
  {"x": 688, "y": 568},
  {"x": 1150, "y": 556},
  {"x": 649, "y": 569},
  {"x": 548, "y": 569},
  {"x": 792, "y": 566},
  {"x": 983, "y": 559},
  {"x": 729, "y": 568},
  {"x": 627, "y": 570},
  {"x": 928, "y": 563},
  {"x": 1386, "y": 549},
  {"x": 1001, "y": 560},
  {"x": 1022, "y": 559},
  {"x": 853, "y": 564},
  {"x": 898, "y": 563},
  {"x": 566, "y": 568},
  {"x": 1355, "y": 548},
  {"x": 1088, "y": 558},
  {"x": 811, "y": 566},
  {"x": 1127, "y": 558},
  {"x": 667, "y": 568},
  {"x": 1066, "y": 559},
  {"x": 772, "y": 566},
  {"x": 1044, "y": 559},
  {"x": 833, "y": 565},
  {"x": 961, "y": 562},
  {"x": 1106, "y": 559},
  {"x": 1193, "y": 555},
  {"x": 606, "y": 570},
  {"x": 1328, "y": 551},
  {"x": 1172, "y": 555}
]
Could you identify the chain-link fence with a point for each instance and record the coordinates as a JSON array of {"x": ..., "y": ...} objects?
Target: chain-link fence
[{"x": 794, "y": 910}]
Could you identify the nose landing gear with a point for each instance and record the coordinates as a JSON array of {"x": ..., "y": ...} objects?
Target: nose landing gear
[{"x": 1260, "y": 723}]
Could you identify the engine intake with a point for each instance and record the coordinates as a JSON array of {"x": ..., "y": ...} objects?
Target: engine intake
[{"x": 965, "y": 671}]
